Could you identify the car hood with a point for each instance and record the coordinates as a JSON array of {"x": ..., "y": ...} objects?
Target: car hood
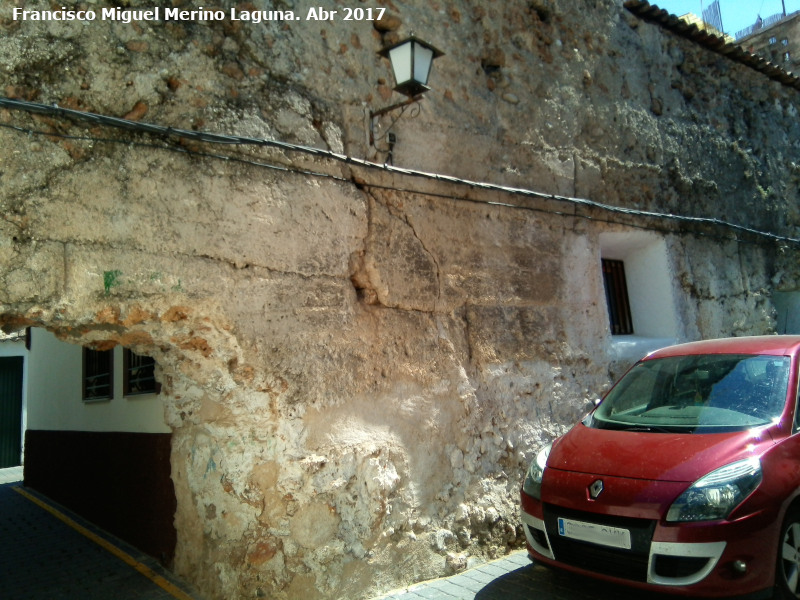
[{"x": 655, "y": 456}]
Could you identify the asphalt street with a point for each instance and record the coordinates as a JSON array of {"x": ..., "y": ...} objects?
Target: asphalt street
[{"x": 48, "y": 553}]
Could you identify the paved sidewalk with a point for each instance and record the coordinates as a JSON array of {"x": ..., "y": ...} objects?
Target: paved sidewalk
[
  {"x": 515, "y": 577},
  {"x": 48, "y": 553},
  {"x": 11, "y": 475},
  {"x": 477, "y": 582}
]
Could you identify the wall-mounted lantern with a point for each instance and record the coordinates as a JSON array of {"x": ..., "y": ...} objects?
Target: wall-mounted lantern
[{"x": 411, "y": 61}]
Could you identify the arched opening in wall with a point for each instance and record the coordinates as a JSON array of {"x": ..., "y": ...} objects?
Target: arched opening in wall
[
  {"x": 96, "y": 440},
  {"x": 639, "y": 294}
]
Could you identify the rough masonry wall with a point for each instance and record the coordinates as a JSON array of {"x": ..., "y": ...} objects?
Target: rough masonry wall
[{"x": 357, "y": 374}]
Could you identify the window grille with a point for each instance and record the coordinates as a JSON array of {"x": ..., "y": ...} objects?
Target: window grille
[
  {"x": 138, "y": 374},
  {"x": 98, "y": 380},
  {"x": 619, "y": 308}
]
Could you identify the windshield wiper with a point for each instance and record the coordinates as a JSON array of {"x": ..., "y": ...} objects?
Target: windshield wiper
[{"x": 657, "y": 429}]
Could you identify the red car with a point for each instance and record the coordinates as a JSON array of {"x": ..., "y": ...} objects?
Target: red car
[{"x": 685, "y": 479}]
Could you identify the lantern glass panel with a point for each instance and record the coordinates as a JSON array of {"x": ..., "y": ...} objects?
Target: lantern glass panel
[
  {"x": 423, "y": 58},
  {"x": 401, "y": 63}
]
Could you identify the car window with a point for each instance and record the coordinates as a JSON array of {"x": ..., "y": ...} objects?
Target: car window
[
  {"x": 697, "y": 393},
  {"x": 797, "y": 412}
]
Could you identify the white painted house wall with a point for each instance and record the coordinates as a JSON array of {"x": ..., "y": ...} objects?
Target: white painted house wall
[{"x": 54, "y": 390}]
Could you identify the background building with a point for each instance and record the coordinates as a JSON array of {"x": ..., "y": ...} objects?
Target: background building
[
  {"x": 95, "y": 438},
  {"x": 777, "y": 40}
]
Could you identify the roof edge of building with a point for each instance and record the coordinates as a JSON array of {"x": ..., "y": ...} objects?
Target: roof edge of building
[{"x": 652, "y": 13}]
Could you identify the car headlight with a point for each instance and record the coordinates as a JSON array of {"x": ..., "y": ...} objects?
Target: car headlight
[
  {"x": 716, "y": 495},
  {"x": 533, "y": 480}
]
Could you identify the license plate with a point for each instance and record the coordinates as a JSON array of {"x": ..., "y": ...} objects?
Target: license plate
[{"x": 604, "y": 535}]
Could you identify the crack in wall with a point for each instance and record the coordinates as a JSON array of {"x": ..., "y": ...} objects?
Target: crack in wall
[
  {"x": 432, "y": 256},
  {"x": 395, "y": 268},
  {"x": 359, "y": 276}
]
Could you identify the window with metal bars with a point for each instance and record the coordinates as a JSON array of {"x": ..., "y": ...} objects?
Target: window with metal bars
[
  {"x": 98, "y": 374},
  {"x": 138, "y": 374},
  {"x": 619, "y": 307}
]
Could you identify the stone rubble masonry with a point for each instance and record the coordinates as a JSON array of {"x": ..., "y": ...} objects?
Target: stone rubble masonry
[{"x": 357, "y": 370}]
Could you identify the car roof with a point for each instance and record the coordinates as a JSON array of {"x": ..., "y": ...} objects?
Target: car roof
[{"x": 778, "y": 345}]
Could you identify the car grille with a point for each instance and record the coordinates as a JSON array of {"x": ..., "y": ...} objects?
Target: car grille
[
  {"x": 616, "y": 562},
  {"x": 679, "y": 566}
]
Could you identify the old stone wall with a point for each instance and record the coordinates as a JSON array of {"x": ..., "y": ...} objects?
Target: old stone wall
[{"x": 358, "y": 364}]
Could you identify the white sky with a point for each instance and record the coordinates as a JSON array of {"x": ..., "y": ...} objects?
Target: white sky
[{"x": 736, "y": 14}]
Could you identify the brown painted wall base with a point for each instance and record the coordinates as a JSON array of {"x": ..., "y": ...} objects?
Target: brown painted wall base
[{"x": 118, "y": 481}]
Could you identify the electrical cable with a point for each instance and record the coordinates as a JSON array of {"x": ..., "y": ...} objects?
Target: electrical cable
[
  {"x": 168, "y": 133},
  {"x": 377, "y": 186}
]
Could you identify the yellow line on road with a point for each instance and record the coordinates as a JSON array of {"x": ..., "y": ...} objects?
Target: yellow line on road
[{"x": 124, "y": 556}]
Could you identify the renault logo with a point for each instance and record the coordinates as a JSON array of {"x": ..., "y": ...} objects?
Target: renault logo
[{"x": 596, "y": 489}]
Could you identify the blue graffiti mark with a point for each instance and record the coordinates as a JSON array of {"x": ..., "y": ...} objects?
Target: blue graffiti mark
[{"x": 211, "y": 466}]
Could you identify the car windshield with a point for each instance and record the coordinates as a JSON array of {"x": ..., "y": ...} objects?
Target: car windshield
[{"x": 704, "y": 393}]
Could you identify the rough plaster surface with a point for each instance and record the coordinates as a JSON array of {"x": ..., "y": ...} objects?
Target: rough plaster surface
[{"x": 357, "y": 375}]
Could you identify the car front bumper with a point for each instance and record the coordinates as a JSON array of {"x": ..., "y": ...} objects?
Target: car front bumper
[{"x": 712, "y": 559}]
